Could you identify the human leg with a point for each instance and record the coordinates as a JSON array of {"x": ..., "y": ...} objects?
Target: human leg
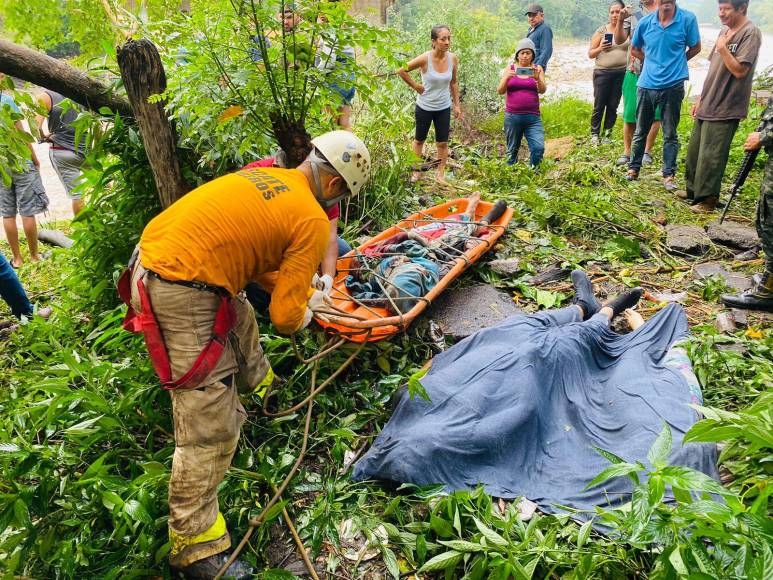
[
  {"x": 513, "y": 136},
  {"x": 207, "y": 419},
  {"x": 68, "y": 165},
  {"x": 12, "y": 235},
  {"x": 645, "y": 113},
  {"x": 343, "y": 246},
  {"x": 614, "y": 93},
  {"x": 442, "y": 122},
  {"x": 535, "y": 137},
  {"x": 716, "y": 138},
  {"x": 693, "y": 154},
  {"x": 653, "y": 134},
  {"x": 30, "y": 225},
  {"x": 671, "y": 107},
  {"x": 600, "y": 95},
  {"x": 628, "y": 130},
  {"x": 12, "y": 291}
]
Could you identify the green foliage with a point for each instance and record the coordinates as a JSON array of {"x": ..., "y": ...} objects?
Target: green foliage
[{"x": 14, "y": 141}]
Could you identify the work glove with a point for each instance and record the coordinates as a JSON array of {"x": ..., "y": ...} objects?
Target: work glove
[
  {"x": 320, "y": 301},
  {"x": 323, "y": 283}
]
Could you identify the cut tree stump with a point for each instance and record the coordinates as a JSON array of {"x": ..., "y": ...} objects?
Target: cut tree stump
[{"x": 143, "y": 76}]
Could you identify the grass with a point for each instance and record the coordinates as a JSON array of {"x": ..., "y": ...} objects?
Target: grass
[{"x": 85, "y": 433}]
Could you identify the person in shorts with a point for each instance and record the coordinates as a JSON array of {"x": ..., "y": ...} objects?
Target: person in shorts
[
  {"x": 24, "y": 196},
  {"x": 625, "y": 27},
  {"x": 66, "y": 155},
  {"x": 332, "y": 59},
  {"x": 438, "y": 94}
]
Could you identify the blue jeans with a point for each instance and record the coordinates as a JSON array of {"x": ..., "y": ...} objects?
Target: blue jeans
[
  {"x": 516, "y": 126},
  {"x": 670, "y": 102},
  {"x": 12, "y": 291}
]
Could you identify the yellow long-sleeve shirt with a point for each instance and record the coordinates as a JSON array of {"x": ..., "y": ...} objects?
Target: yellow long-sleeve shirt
[{"x": 238, "y": 228}]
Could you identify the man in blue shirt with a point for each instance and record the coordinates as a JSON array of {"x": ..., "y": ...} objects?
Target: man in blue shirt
[
  {"x": 540, "y": 34},
  {"x": 664, "y": 40}
]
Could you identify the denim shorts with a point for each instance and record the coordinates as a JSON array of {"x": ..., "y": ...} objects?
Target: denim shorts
[
  {"x": 346, "y": 94},
  {"x": 26, "y": 195}
]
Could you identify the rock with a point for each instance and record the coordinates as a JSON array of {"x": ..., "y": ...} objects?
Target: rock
[
  {"x": 552, "y": 274},
  {"x": 506, "y": 267},
  {"x": 733, "y": 347},
  {"x": 741, "y": 317},
  {"x": 686, "y": 239},
  {"x": 747, "y": 255},
  {"x": 733, "y": 280},
  {"x": 734, "y": 235},
  {"x": 463, "y": 311},
  {"x": 725, "y": 322}
]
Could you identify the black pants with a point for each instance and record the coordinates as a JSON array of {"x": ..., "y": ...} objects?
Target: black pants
[
  {"x": 607, "y": 90},
  {"x": 441, "y": 119}
]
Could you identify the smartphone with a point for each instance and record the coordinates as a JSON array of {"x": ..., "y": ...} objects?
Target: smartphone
[
  {"x": 525, "y": 70},
  {"x": 608, "y": 37}
]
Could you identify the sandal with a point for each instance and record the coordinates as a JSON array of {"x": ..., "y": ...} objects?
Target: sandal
[{"x": 632, "y": 175}]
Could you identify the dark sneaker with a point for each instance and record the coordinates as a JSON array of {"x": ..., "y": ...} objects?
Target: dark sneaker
[
  {"x": 625, "y": 300},
  {"x": 583, "y": 294},
  {"x": 207, "y": 569},
  {"x": 758, "y": 298}
]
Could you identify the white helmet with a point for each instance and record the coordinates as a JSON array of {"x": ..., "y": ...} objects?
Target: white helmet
[{"x": 348, "y": 155}]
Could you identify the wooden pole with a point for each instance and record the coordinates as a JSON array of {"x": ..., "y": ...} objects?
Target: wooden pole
[
  {"x": 143, "y": 75},
  {"x": 42, "y": 70}
]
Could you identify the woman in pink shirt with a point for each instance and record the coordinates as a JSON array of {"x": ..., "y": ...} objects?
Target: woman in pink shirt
[{"x": 523, "y": 82}]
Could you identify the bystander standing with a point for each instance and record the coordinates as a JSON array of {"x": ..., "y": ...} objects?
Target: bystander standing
[
  {"x": 626, "y": 26},
  {"x": 723, "y": 102},
  {"x": 608, "y": 74},
  {"x": 540, "y": 34},
  {"x": 664, "y": 40},
  {"x": 761, "y": 296}
]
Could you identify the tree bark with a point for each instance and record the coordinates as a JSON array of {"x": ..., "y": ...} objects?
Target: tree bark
[
  {"x": 37, "y": 68},
  {"x": 143, "y": 75}
]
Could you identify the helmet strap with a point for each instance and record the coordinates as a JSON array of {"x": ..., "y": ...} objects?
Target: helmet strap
[{"x": 318, "y": 164}]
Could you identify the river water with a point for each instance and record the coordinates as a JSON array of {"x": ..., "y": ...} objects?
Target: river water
[{"x": 570, "y": 71}]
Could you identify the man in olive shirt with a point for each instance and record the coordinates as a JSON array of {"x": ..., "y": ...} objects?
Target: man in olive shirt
[{"x": 723, "y": 102}]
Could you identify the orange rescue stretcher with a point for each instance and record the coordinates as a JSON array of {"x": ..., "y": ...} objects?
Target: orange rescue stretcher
[{"x": 356, "y": 321}]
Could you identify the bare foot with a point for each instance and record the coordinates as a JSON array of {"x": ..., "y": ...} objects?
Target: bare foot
[
  {"x": 633, "y": 318},
  {"x": 441, "y": 178},
  {"x": 35, "y": 258},
  {"x": 16, "y": 264}
]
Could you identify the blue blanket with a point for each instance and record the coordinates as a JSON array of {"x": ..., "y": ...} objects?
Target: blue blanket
[{"x": 519, "y": 408}]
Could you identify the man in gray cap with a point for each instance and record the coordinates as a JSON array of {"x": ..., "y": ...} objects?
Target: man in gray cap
[{"x": 540, "y": 34}]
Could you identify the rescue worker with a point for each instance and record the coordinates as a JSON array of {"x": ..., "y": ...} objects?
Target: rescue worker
[
  {"x": 761, "y": 296},
  {"x": 259, "y": 224}
]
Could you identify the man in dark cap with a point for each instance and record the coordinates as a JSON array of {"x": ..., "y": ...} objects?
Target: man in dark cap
[{"x": 540, "y": 34}]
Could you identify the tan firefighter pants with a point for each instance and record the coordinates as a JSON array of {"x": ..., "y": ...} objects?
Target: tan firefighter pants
[{"x": 207, "y": 420}]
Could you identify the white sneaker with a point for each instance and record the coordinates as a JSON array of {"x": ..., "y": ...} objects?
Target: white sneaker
[{"x": 594, "y": 140}]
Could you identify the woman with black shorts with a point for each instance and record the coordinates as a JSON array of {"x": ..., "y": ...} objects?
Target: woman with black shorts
[{"x": 438, "y": 93}]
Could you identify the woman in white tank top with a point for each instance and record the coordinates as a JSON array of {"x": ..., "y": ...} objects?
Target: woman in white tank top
[{"x": 438, "y": 94}]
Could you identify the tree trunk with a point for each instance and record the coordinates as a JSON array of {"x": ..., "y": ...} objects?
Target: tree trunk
[
  {"x": 143, "y": 75},
  {"x": 293, "y": 139},
  {"x": 37, "y": 68}
]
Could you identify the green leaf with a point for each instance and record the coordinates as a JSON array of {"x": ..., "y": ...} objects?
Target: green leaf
[
  {"x": 613, "y": 471},
  {"x": 137, "y": 512},
  {"x": 21, "y": 513},
  {"x": 442, "y": 561},
  {"x": 415, "y": 387},
  {"x": 609, "y": 456},
  {"x": 583, "y": 533},
  {"x": 391, "y": 562},
  {"x": 440, "y": 526},
  {"x": 462, "y": 545},
  {"x": 675, "y": 558},
  {"x": 491, "y": 536},
  {"x": 661, "y": 448}
]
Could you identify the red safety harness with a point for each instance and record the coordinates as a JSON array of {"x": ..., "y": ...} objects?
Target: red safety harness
[{"x": 145, "y": 322}]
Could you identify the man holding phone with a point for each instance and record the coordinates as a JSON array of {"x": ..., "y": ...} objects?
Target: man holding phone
[{"x": 669, "y": 38}]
